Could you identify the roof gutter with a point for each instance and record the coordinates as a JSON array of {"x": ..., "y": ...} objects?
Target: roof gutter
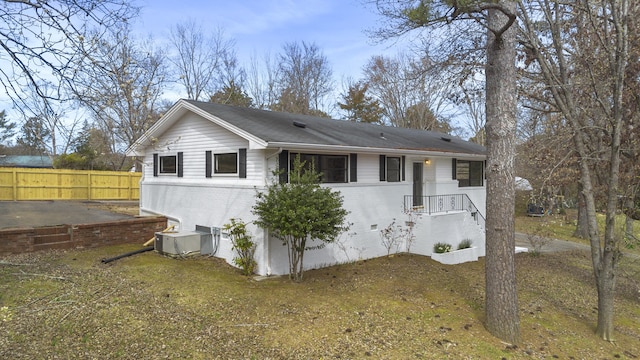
[{"x": 334, "y": 148}]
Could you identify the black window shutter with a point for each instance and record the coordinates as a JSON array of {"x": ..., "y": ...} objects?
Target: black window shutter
[
  {"x": 155, "y": 164},
  {"x": 353, "y": 167},
  {"x": 383, "y": 168},
  {"x": 403, "y": 162},
  {"x": 208, "y": 160},
  {"x": 242, "y": 163},
  {"x": 283, "y": 166},
  {"x": 180, "y": 171},
  {"x": 454, "y": 165}
]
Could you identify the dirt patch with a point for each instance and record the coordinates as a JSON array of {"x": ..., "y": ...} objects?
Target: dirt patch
[
  {"x": 69, "y": 304},
  {"x": 131, "y": 208}
]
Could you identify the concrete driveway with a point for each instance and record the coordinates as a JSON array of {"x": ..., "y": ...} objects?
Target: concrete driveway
[
  {"x": 21, "y": 214},
  {"x": 553, "y": 245}
]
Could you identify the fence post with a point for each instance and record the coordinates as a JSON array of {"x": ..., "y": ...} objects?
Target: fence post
[
  {"x": 15, "y": 184},
  {"x": 130, "y": 189},
  {"x": 89, "y": 185}
]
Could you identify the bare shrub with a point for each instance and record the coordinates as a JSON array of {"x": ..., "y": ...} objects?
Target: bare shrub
[{"x": 537, "y": 242}]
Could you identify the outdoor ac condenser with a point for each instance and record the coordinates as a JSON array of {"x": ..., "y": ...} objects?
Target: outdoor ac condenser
[{"x": 179, "y": 243}]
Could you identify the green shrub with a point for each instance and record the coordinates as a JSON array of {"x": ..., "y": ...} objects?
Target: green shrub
[
  {"x": 299, "y": 210},
  {"x": 242, "y": 244},
  {"x": 441, "y": 248},
  {"x": 465, "y": 244}
]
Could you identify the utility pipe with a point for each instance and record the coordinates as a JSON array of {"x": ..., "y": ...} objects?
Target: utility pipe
[{"x": 105, "y": 261}]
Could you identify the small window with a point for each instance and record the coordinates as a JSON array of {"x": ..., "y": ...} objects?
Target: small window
[
  {"x": 469, "y": 173},
  {"x": 393, "y": 169},
  {"x": 226, "y": 163},
  {"x": 168, "y": 164}
]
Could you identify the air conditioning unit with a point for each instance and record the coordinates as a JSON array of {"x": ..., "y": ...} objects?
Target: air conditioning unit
[
  {"x": 178, "y": 243},
  {"x": 209, "y": 239}
]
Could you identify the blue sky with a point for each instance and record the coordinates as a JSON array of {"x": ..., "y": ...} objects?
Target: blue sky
[
  {"x": 338, "y": 27},
  {"x": 259, "y": 27}
]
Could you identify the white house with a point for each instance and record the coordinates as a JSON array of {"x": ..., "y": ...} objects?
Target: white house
[{"x": 204, "y": 163}]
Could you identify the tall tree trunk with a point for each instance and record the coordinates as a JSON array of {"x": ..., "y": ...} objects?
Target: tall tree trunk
[
  {"x": 606, "y": 271},
  {"x": 603, "y": 272},
  {"x": 501, "y": 294},
  {"x": 605, "y": 268}
]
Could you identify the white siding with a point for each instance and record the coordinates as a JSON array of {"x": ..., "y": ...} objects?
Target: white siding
[
  {"x": 193, "y": 136},
  {"x": 442, "y": 168},
  {"x": 368, "y": 168}
]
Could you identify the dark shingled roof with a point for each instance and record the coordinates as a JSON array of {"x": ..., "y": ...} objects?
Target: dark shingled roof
[{"x": 278, "y": 127}]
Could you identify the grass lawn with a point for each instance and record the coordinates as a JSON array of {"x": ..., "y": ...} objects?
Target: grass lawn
[{"x": 69, "y": 305}]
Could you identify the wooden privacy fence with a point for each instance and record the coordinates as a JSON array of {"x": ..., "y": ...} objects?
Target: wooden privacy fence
[{"x": 60, "y": 184}]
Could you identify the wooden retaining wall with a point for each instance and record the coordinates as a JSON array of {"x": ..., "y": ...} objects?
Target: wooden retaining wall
[{"x": 130, "y": 231}]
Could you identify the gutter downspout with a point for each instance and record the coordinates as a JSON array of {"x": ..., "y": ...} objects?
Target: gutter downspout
[
  {"x": 140, "y": 187},
  {"x": 274, "y": 154},
  {"x": 172, "y": 218},
  {"x": 265, "y": 232}
]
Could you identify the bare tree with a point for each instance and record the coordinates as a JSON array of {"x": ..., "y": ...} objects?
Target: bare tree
[
  {"x": 471, "y": 95},
  {"x": 388, "y": 82},
  {"x": 411, "y": 91},
  {"x": 198, "y": 58},
  {"x": 47, "y": 42},
  {"x": 232, "y": 80},
  {"x": 261, "y": 81},
  {"x": 56, "y": 117},
  {"x": 304, "y": 79},
  {"x": 123, "y": 91},
  {"x": 593, "y": 105}
]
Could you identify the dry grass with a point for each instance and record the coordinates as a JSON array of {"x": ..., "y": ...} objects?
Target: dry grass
[{"x": 70, "y": 305}]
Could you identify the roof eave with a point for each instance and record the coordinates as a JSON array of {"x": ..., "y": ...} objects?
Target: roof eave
[
  {"x": 146, "y": 140},
  {"x": 373, "y": 150}
]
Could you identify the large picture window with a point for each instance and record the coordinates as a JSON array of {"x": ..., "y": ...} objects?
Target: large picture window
[
  {"x": 226, "y": 163},
  {"x": 168, "y": 164},
  {"x": 333, "y": 168},
  {"x": 469, "y": 173}
]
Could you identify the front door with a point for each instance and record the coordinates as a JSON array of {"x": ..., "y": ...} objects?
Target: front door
[{"x": 417, "y": 184}]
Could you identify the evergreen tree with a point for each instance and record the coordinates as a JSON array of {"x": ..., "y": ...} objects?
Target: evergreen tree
[
  {"x": 6, "y": 127},
  {"x": 361, "y": 107},
  {"x": 35, "y": 137}
]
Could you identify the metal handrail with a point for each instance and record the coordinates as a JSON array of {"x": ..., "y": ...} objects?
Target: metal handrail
[{"x": 438, "y": 204}]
